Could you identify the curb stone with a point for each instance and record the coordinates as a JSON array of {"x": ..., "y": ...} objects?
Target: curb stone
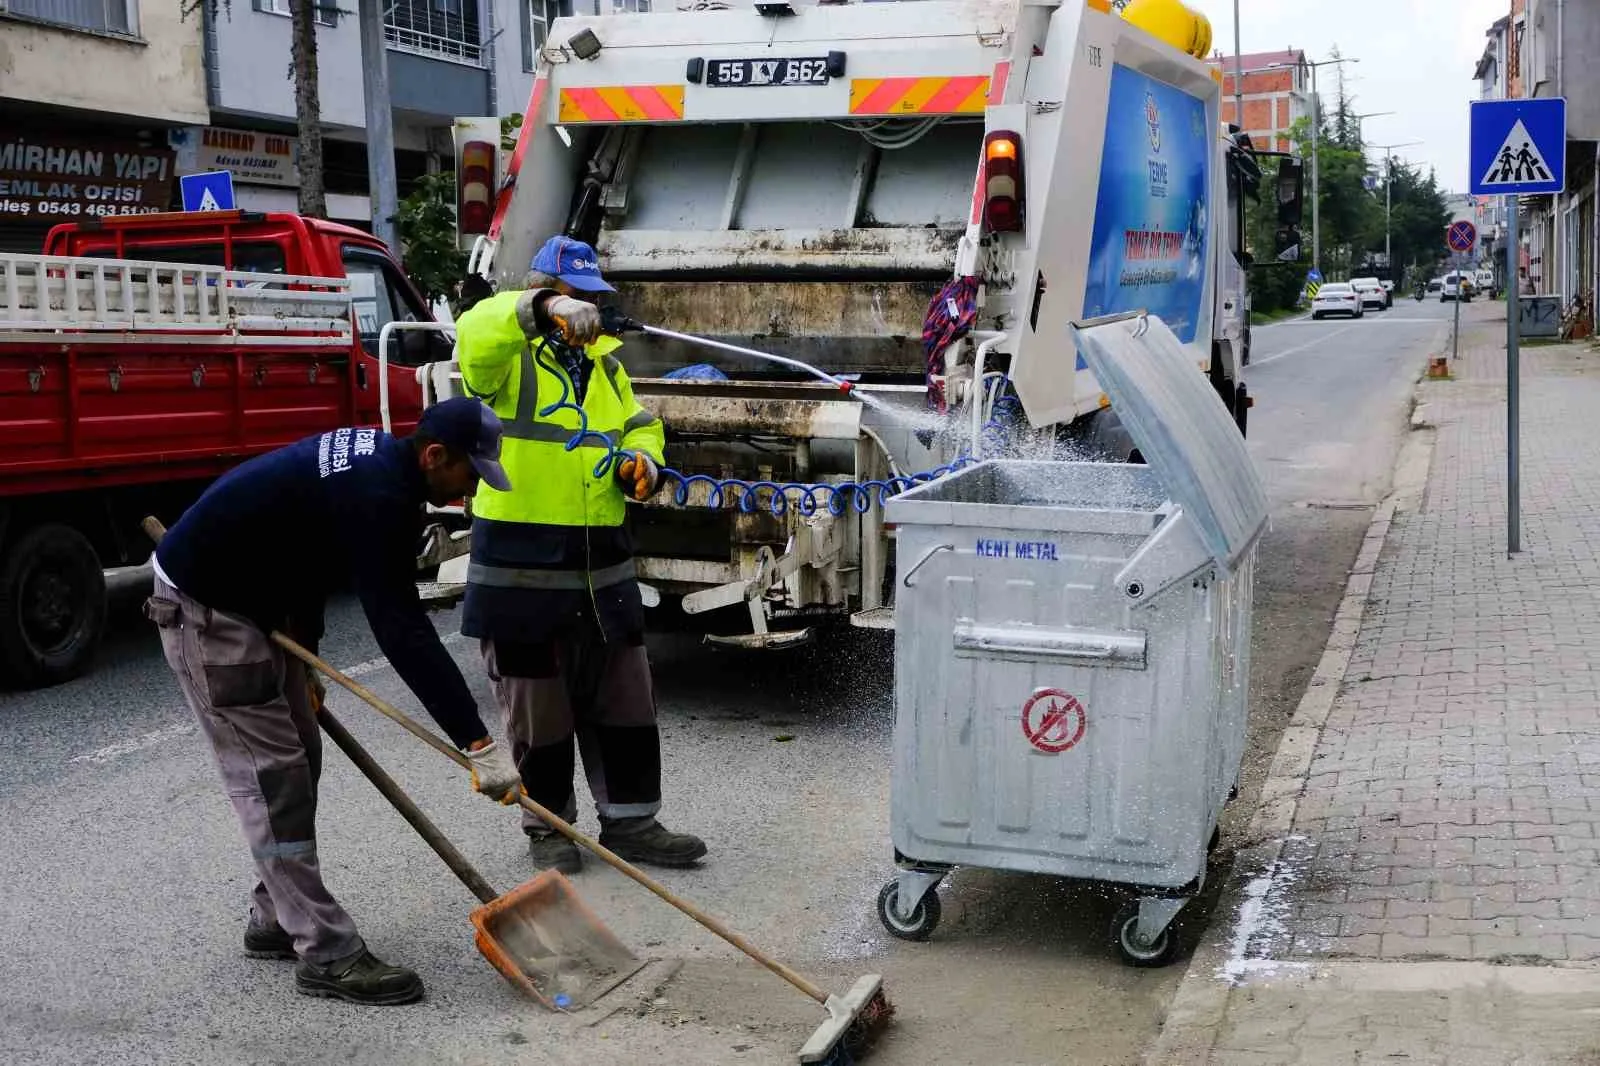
[{"x": 1198, "y": 1010}]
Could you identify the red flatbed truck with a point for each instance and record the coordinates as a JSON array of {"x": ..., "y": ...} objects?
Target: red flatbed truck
[{"x": 140, "y": 358}]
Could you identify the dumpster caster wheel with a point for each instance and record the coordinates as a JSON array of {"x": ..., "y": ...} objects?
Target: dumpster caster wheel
[
  {"x": 1125, "y": 931},
  {"x": 924, "y": 918}
]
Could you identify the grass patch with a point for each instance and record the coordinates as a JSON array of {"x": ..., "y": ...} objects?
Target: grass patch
[{"x": 1261, "y": 318}]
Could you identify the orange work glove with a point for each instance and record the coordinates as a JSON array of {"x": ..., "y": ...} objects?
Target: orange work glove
[
  {"x": 316, "y": 691},
  {"x": 639, "y": 476}
]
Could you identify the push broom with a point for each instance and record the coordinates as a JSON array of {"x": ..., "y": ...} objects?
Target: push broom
[{"x": 855, "y": 1019}]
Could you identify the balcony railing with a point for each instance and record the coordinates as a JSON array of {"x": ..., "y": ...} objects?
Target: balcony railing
[{"x": 435, "y": 45}]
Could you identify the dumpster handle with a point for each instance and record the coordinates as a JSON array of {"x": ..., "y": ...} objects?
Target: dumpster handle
[{"x": 929, "y": 554}]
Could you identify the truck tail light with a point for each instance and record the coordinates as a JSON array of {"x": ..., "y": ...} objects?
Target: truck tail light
[
  {"x": 475, "y": 187},
  {"x": 1002, "y": 182}
]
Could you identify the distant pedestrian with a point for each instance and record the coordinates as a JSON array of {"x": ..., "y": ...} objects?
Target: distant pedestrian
[{"x": 261, "y": 551}]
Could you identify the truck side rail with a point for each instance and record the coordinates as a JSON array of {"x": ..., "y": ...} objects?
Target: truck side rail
[{"x": 127, "y": 296}]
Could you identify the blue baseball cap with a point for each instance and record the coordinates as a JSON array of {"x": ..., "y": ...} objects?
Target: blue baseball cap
[
  {"x": 466, "y": 425},
  {"x": 572, "y": 262}
]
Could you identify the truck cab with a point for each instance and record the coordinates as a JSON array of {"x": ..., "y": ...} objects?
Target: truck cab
[{"x": 143, "y": 356}]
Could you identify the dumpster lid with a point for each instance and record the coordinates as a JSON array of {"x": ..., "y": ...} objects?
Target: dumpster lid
[{"x": 1180, "y": 426}]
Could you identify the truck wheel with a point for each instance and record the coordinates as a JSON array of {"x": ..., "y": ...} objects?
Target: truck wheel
[{"x": 52, "y": 605}]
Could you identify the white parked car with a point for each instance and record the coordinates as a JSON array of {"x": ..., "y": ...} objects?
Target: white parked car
[
  {"x": 1337, "y": 298},
  {"x": 1456, "y": 285},
  {"x": 1372, "y": 293}
]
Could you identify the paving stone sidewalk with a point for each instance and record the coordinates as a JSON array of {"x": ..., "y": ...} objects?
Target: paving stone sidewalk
[{"x": 1430, "y": 892}]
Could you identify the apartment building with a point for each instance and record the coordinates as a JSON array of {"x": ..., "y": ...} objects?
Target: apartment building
[
  {"x": 1276, "y": 92},
  {"x": 214, "y": 90},
  {"x": 1555, "y": 43},
  {"x": 75, "y": 146}
]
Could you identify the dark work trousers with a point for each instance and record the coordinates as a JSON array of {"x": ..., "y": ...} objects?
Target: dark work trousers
[
  {"x": 254, "y": 708},
  {"x": 580, "y": 692}
]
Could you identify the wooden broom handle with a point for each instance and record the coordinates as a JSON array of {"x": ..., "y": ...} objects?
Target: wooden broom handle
[{"x": 154, "y": 529}]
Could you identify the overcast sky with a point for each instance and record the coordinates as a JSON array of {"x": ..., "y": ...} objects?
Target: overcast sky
[{"x": 1417, "y": 58}]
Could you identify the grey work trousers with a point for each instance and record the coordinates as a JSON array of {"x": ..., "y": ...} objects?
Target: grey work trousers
[
  {"x": 580, "y": 689},
  {"x": 254, "y": 708}
]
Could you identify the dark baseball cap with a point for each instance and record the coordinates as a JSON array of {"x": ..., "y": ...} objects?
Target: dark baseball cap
[{"x": 466, "y": 425}]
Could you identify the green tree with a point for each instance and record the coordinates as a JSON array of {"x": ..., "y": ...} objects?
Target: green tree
[
  {"x": 426, "y": 222},
  {"x": 1417, "y": 217},
  {"x": 303, "y": 72}
]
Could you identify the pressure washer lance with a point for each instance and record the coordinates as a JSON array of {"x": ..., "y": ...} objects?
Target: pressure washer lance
[{"x": 614, "y": 321}]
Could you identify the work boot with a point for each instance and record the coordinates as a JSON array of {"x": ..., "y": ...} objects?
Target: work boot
[
  {"x": 648, "y": 841},
  {"x": 361, "y": 978},
  {"x": 267, "y": 941},
  {"x": 552, "y": 851}
]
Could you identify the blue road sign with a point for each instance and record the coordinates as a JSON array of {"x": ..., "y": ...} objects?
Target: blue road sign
[
  {"x": 1518, "y": 147},
  {"x": 1313, "y": 275},
  {"x": 1461, "y": 236},
  {"x": 211, "y": 191}
]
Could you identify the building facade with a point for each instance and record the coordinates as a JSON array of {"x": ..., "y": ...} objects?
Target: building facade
[
  {"x": 76, "y": 146},
  {"x": 1552, "y": 50},
  {"x": 214, "y": 90},
  {"x": 1276, "y": 93}
]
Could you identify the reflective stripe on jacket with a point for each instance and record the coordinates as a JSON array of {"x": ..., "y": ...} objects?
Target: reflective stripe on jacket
[{"x": 508, "y": 365}]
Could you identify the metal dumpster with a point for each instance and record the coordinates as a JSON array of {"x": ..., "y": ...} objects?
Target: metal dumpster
[{"x": 1072, "y": 653}]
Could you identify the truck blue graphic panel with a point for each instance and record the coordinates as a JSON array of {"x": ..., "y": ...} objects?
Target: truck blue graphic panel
[{"x": 1149, "y": 249}]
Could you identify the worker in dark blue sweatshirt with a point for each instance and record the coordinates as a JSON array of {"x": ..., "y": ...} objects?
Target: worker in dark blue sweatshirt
[{"x": 261, "y": 551}]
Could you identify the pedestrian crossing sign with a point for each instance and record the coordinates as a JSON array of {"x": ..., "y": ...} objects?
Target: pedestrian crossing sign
[
  {"x": 211, "y": 191},
  {"x": 1518, "y": 147}
]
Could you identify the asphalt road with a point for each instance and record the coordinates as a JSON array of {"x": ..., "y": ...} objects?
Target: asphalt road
[{"x": 125, "y": 881}]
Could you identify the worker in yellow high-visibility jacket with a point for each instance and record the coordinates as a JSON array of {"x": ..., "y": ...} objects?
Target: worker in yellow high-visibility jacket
[{"x": 551, "y": 589}]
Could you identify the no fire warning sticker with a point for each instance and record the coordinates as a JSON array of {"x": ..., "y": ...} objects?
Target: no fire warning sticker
[{"x": 1053, "y": 721}]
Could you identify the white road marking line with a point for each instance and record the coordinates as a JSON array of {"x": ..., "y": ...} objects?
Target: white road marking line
[
  {"x": 1385, "y": 321},
  {"x": 101, "y": 756},
  {"x": 374, "y": 665},
  {"x": 1257, "y": 363},
  {"x": 1282, "y": 322},
  {"x": 157, "y": 737}
]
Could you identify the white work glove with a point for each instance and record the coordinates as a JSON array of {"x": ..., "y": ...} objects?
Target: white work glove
[
  {"x": 494, "y": 774},
  {"x": 578, "y": 322}
]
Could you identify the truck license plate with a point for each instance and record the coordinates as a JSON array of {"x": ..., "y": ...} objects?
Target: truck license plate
[{"x": 744, "y": 72}]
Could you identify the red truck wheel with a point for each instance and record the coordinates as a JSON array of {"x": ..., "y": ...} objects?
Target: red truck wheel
[{"x": 52, "y": 605}]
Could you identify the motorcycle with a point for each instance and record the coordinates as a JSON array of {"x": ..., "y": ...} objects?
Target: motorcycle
[{"x": 1419, "y": 294}]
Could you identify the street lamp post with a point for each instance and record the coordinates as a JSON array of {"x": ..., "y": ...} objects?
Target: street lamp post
[
  {"x": 1316, "y": 137},
  {"x": 1388, "y": 195}
]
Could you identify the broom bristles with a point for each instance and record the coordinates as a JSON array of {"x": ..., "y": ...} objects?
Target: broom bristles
[{"x": 869, "y": 1024}]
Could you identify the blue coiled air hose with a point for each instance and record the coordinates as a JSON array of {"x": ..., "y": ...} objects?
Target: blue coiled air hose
[{"x": 777, "y": 497}]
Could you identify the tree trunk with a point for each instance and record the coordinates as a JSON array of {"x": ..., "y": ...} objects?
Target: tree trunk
[{"x": 308, "y": 107}]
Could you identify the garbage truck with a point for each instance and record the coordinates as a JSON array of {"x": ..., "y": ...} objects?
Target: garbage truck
[{"x": 914, "y": 198}]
